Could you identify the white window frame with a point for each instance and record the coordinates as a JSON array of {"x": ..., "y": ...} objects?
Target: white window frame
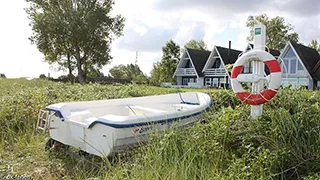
[{"x": 288, "y": 70}]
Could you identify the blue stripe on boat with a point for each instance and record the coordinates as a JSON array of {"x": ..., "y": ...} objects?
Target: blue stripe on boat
[
  {"x": 58, "y": 113},
  {"x": 101, "y": 121}
]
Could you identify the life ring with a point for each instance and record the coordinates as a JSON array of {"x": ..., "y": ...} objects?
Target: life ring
[{"x": 275, "y": 77}]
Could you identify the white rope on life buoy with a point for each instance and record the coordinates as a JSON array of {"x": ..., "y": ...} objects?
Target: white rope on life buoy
[{"x": 275, "y": 80}]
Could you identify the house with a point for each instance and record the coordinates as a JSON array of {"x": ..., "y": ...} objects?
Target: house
[
  {"x": 198, "y": 68},
  {"x": 214, "y": 71},
  {"x": 189, "y": 70},
  {"x": 300, "y": 66}
]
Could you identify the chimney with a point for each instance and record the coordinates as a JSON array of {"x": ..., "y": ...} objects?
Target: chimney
[{"x": 229, "y": 48}]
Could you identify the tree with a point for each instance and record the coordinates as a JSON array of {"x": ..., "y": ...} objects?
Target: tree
[
  {"x": 193, "y": 44},
  {"x": 42, "y": 76},
  {"x": 315, "y": 45},
  {"x": 278, "y": 32},
  {"x": 156, "y": 78},
  {"x": 131, "y": 72},
  {"x": 2, "y": 75},
  {"x": 75, "y": 34},
  {"x": 117, "y": 71},
  {"x": 170, "y": 60},
  {"x": 163, "y": 71}
]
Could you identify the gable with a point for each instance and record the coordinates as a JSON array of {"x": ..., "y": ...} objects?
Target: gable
[
  {"x": 213, "y": 60},
  {"x": 309, "y": 57},
  {"x": 199, "y": 59},
  {"x": 185, "y": 62},
  {"x": 228, "y": 56},
  {"x": 291, "y": 63}
]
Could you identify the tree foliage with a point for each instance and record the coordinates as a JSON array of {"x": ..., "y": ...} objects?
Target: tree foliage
[
  {"x": 163, "y": 71},
  {"x": 278, "y": 31},
  {"x": 194, "y": 44},
  {"x": 42, "y": 76},
  {"x": 315, "y": 45},
  {"x": 118, "y": 71},
  {"x": 156, "y": 75},
  {"x": 76, "y": 35},
  {"x": 131, "y": 72}
]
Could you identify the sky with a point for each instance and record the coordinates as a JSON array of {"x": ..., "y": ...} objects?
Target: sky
[{"x": 151, "y": 23}]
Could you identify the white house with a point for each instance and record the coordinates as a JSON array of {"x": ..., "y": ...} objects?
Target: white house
[
  {"x": 198, "y": 68},
  {"x": 300, "y": 66},
  {"x": 215, "y": 73},
  {"x": 189, "y": 70}
]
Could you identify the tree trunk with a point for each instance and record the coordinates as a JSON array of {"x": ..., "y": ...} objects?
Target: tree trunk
[
  {"x": 85, "y": 71},
  {"x": 80, "y": 73},
  {"x": 79, "y": 68},
  {"x": 70, "y": 69}
]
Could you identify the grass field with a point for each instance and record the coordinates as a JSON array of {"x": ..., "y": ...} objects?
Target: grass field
[{"x": 282, "y": 144}]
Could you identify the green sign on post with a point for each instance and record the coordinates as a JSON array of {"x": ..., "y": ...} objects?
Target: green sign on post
[{"x": 257, "y": 31}]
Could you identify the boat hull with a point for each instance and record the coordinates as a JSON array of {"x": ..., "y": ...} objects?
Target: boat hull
[{"x": 110, "y": 133}]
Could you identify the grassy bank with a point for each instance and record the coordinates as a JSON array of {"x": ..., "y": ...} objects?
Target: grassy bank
[{"x": 282, "y": 144}]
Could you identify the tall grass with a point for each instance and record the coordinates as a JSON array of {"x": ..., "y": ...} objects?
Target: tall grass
[{"x": 225, "y": 144}]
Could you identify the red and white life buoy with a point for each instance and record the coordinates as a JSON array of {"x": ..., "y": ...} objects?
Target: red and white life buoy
[{"x": 275, "y": 77}]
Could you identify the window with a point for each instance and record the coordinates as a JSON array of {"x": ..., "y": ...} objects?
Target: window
[
  {"x": 215, "y": 82},
  {"x": 217, "y": 63},
  {"x": 293, "y": 66},
  {"x": 290, "y": 54},
  {"x": 223, "y": 80},
  {"x": 300, "y": 67},
  {"x": 291, "y": 63},
  {"x": 189, "y": 65},
  {"x": 303, "y": 81},
  {"x": 286, "y": 64},
  {"x": 185, "y": 81},
  {"x": 208, "y": 82},
  {"x": 295, "y": 82}
]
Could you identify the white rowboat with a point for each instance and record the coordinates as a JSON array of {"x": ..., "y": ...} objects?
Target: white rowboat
[{"x": 106, "y": 126}]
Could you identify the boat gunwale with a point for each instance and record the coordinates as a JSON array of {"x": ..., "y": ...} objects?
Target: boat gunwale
[
  {"x": 117, "y": 125},
  {"x": 136, "y": 124}
]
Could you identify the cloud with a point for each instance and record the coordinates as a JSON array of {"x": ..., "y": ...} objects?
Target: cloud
[
  {"x": 228, "y": 8},
  {"x": 189, "y": 30},
  {"x": 241, "y": 40},
  {"x": 298, "y": 7},
  {"x": 145, "y": 39},
  {"x": 221, "y": 8},
  {"x": 308, "y": 30}
]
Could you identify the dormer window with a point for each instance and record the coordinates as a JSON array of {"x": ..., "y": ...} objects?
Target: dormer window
[
  {"x": 188, "y": 65},
  {"x": 217, "y": 63},
  {"x": 290, "y": 63}
]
